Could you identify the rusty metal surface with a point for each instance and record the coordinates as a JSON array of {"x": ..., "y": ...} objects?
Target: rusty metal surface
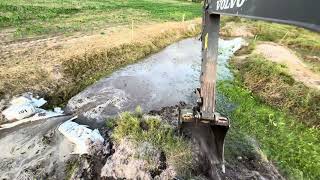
[{"x": 210, "y": 37}]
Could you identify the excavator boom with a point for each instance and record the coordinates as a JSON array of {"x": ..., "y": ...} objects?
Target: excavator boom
[{"x": 304, "y": 13}]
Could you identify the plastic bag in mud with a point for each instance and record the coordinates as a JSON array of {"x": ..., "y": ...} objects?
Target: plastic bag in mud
[
  {"x": 19, "y": 112},
  {"x": 80, "y": 135},
  {"x": 22, "y": 107}
]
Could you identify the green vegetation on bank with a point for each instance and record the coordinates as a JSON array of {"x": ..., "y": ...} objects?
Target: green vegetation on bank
[
  {"x": 44, "y": 17},
  {"x": 141, "y": 129},
  {"x": 271, "y": 107},
  {"x": 305, "y": 43},
  {"x": 291, "y": 145},
  {"x": 71, "y": 166},
  {"x": 272, "y": 84}
]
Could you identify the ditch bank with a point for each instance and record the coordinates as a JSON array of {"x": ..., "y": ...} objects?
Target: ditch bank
[
  {"x": 58, "y": 68},
  {"x": 277, "y": 107}
]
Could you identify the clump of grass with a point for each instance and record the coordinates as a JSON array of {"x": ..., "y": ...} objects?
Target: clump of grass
[
  {"x": 271, "y": 83},
  {"x": 71, "y": 166},
  {"x": 139, "y": 129},
  {"x": 245, "y": 50},
  {"x": 292, "y": 145}
]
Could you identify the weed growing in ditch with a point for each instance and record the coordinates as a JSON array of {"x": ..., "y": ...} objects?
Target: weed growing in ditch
[
  {"x": 141, "y": 129},
  {"x": 71, "y": 167},
  {"x": 293, "y": 146}
]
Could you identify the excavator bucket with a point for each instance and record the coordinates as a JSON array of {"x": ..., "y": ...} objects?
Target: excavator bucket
[{"x": 209, "y": 135}]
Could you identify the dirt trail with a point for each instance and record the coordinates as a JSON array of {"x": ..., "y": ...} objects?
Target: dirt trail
[{"x": 296, "y": 67}]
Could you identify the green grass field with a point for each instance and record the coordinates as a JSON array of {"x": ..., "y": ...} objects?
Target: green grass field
[{"x": 45, "y": 17}]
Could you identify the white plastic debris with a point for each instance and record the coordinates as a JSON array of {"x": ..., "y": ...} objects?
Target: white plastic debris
[
  {"x": 22, "y": 107},
  {"x": 58, "y": 110},
  {"x": 38, "y": 102},
  {"x": 18, "y": 112},
  {"x": 40, "y": 115},
  {"x": 20, "y": 100},
  {"x": 80, "y": 135},
  {"x": 27, "y": 109}
]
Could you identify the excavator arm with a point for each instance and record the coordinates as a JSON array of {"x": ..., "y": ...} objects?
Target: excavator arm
[{"x": 304, "y": 13}]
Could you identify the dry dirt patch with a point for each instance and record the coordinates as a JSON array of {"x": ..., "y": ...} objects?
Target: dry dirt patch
[
  {"x": 296, "y": 67},
  {"x": 233, "y": 29}
]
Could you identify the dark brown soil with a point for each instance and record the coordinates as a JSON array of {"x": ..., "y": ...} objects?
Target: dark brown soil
[{"x": 246, "y": 165}]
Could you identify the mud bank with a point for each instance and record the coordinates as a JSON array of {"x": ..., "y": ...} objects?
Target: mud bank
[{"x": 161, "y": 80}]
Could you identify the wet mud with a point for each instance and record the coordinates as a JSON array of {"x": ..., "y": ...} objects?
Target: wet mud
[
  {"x": 34, "y": 150},
  {"x": 251, "y": 165}
]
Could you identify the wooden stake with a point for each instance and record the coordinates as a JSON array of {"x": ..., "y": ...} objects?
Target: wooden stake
[{"x": 132, "y": 30}]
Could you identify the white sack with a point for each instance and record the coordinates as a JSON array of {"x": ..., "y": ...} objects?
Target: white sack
[
  {"x": 26, "y": 109},
  {"x": 19, "y": 112},
  {"x": 22, "y": 107},
  {"x": 80, "y": 135}
]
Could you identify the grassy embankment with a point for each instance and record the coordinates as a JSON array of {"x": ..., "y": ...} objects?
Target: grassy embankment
[
  {"x": 48, "y": 18},
  {"x": 83, "y": 71},
  {"x": 282, "y": 114},
  {"x": 44, "y": 17}
]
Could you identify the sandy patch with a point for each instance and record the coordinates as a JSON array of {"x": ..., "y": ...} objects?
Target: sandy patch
[
  {"x": 232, "y": 29},
  {"x": 296, "y": 67}
]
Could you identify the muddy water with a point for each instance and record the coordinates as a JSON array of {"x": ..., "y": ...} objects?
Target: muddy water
[{"x": 162, "y": 79}]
